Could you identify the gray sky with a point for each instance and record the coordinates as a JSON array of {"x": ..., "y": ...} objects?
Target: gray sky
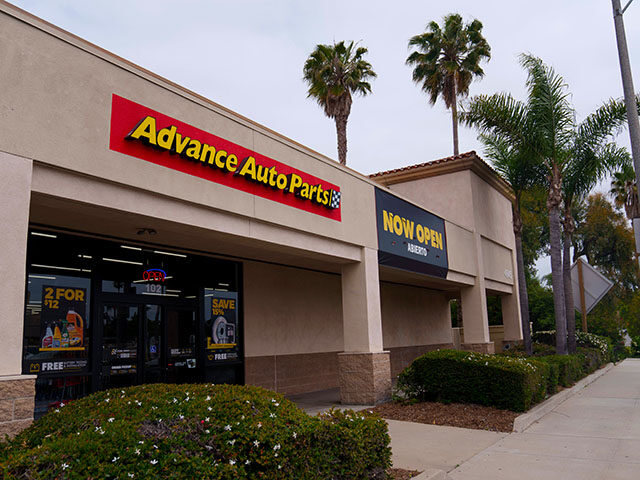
[{"x": 248, "y": 56}]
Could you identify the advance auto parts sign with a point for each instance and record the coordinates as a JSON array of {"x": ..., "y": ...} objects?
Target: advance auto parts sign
[
  {"x": 149, "y": 135},
  {"x": 410, "y": 238}
]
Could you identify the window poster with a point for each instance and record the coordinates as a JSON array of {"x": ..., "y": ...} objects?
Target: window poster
[
  {"x": 221, "y": 326},
  {"x": 62, "y": 329}
]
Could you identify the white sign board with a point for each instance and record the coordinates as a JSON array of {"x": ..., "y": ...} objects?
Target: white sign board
[{"x": 596, "y": 285}]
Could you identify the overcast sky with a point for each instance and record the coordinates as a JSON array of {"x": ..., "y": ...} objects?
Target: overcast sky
[{"x": 248, "y": 56}]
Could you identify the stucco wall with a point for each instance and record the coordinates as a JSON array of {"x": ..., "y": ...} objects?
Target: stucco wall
[
  {"x": 493, "y": 217},
  {"x": 291, "y": 311},
  {"x": 58, "y": 89},
  {"x": 414, "y": 316},
  {"x": 448, "y": 196}
]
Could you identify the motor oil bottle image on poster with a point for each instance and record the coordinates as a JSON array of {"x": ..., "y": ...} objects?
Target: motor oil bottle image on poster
[
  {"x": 62, "y": 318},
  {"x": 221, "y": 325}
]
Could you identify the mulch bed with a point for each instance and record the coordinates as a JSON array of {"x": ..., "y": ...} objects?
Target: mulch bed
[
  {"x": 452, "y": 414},
  {"x": 402, "y": 474}
]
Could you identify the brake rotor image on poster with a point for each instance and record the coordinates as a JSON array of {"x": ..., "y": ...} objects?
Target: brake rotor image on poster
[{"x": 221, "y": 326}]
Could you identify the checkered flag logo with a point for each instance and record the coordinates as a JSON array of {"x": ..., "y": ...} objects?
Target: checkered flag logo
[{"x": 335, "y": 199}]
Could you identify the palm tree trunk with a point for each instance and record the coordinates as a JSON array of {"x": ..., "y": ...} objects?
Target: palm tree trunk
[
  {"x": 454, "y": 119},
  {"x": 522, "y": 281},
  {"x": 341, "y": 130},
  {"x": 555, "y": 239},
  {"x": 568, "y": 287}
]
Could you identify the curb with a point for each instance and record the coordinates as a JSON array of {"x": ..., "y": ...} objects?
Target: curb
[
  {"x": 523, "y": 421},
  {"x": 432, "y": 474}
]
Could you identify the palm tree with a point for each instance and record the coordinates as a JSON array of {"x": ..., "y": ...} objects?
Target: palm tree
[
  {"x": 592, "y": 157},
  {"x": 625, "y": 192},
  {"x": 446, "y": 61},
  {"x": 334, "y": 73},
  {"x": 517, "y": 169},
  {"x": 542, "y": 129}
]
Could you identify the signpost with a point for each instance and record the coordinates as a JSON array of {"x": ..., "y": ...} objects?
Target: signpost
[{"x": 589, "y": 287}]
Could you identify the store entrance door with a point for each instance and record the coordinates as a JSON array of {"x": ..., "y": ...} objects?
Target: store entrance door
[{"x": 147, "y": 343}]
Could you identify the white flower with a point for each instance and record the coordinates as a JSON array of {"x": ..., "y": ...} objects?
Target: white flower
[
  {"x": 181, "y": 417},
  {"x": 111, "y": 420},
  {"x": 277, "y": 404},
  {"x": 130, "y": 475},
  {"x": 276, "y": 447},
  {"x": 107, "y": 400},
  {"x": 256, "y": 443},
  {"x": 65, "y": 466},
  {"x": 232, "y": 462},
  {"x": 272, "y": 415},
  {"x": 206, "y": 419},
  {"x": 153, "y": 462},
  {"x": 279, "y": 467},
  {"x": 209, "y": 408},
  {"x": 155, "y": 446},
  {"x": 295, "y": 435},
  {"x": 227, "y": 428},
  {"x": 259, "y": 424},
  {"x": 206, "y": 431},
  {"x": 57, "y": 410},
  {"x": 208, "y": 398},
  {"x": 115, "y": 459},
  {"x": 61, "y": 404},
  {"x": 231, "y": 442},
  {"x": 141, "y": 442},
  {"x": 137, "y": 451},
  {"x": 247, "y": 462},
  {"x": 175, "y": 400}
]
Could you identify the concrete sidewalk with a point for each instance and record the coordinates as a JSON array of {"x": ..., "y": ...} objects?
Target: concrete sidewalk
[{"x": 593, "y": 435}]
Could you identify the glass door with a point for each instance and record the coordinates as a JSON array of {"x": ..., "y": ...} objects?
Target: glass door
[
  {"x": 119, "y": 357},
  {"x": 182, "y": 362}
]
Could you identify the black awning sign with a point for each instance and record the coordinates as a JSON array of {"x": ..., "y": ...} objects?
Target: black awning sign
[{"x": 409, "y": 237}]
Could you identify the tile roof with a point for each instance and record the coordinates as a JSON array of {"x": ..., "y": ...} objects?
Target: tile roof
[{"x": 452, "y": 158}]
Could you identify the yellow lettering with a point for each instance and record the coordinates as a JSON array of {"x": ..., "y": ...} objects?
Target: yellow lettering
[
  {"x": 144, "y": 130},
  {"x": 220, "y": 158},
  {"x": 420, "y": 233},
  {"x": 232, "y": 163},
  {"x": 166, "y": 136},
  {"x": 387, "y": 221},
  {"x": 295, "y": 182},
  {"x": 194, "y": 149},
  {"x": 397, "y": 224},
  {"x": 209, "y": 150},
  {"x": 180, "y": 143},
  {"x": 408, "y": 228},
  {"x": 281, "y": 181},
  {"x": 434, "y": 238},
  {"x": 248, "y": 167}
]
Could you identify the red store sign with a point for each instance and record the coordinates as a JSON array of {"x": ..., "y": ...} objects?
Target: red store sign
[{"x": 149, "y": 135}]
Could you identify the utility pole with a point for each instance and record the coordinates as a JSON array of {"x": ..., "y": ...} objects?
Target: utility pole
[{"x": 629, "y": 100}]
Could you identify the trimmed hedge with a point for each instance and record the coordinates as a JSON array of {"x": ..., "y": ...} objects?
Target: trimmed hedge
[
  {"x": 588, "y": 340},
  {"x": 196, "y": 431},
  {"x": 513, "y": 383},
  {"x": 570, "y": 367}
]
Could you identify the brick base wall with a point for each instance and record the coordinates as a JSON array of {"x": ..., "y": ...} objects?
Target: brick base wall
[
  {"x": 401, "y": 357},
  {"x": 365, "y": 378},
  {"x": 17, "y": 395},
  {"x": 487, "y": 347},
  {"x": 292, "y": 374}
]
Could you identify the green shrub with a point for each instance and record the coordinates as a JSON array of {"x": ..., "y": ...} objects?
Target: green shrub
[
  {"x": 509, "y": 382},
  {"x": 589, "y": 340},
  {"x": 570, "y": 367},
  {"x": 196, "y": 431}
]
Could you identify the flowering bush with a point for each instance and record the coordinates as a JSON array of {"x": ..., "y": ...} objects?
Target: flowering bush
[
  {"x": 196, "y": 431},
  {"x": 588, "y": 340},
  {"x": 514, "y": 383}
]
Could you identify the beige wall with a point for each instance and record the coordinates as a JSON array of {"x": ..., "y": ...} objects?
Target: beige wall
[
  {"x": 448, "y": 196},
  {"x": 497, "y": 260},
  {"x": 492, "y": 210},
  {"x": 414, "y": 316},
  {"x": 15, "y": 181},
  {"x": 289, "y": 311},
  {"x": 60, "y": 93}
]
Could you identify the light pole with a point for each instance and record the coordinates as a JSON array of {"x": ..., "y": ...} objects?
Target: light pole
[{"x": 629, "y": 100}]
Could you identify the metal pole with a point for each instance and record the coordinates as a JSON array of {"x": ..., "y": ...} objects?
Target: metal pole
[
  {"x": 583, "y": 307},
  {"x": 629, "y": 100}
]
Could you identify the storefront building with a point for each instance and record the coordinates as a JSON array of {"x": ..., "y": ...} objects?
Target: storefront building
[{"x": 151, "y": 235}]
